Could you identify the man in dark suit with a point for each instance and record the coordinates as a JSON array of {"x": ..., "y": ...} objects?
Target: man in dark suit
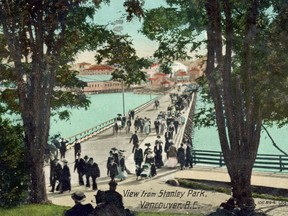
[
  {"x": 181, "y": 156},
  {"x": 135, "y": 140},
  {"x": 63, "y": 148},
  {"x": 79, "y": 208},
  {"x": 93, "y": 171},
  {"x": 138, "y": 156},
  {"x": 80, "y": 166},
  {"x": 77, "y": 148},
  {"x": 56, "y": 174}
]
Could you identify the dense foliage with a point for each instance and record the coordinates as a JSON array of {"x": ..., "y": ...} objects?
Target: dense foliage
[{"x": 13, "y": 170}]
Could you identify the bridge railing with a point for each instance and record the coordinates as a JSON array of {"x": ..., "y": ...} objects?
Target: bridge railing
[
  {"x": 91, "y": 132},
  {"x": 263, "y": 161}
]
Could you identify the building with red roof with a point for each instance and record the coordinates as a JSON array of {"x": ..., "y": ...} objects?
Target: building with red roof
[{"x": 98, "y": 70}]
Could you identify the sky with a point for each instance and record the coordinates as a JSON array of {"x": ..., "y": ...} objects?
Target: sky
[{"x": 115, "y": 11}]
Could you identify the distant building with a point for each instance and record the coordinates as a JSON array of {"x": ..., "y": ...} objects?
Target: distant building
[
  {"x": 100, "y": 84},
  {"x": 153, "y": 69},
  {"x": 160, "y": 79},
  {"x": 178, "y": 66},
  {"x": 98, "y": 70},
  {"x": 97, "y": 78},
  {"x": 181, "y": 76}
]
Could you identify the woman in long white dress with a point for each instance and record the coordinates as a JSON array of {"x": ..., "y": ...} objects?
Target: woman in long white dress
[{"x": 122, "y": 167}]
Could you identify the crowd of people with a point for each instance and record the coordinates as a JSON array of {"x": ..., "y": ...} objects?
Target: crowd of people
[
  {"x": 61, "y": 175},
  {"x": 166, "y": 125},
  {"x": 147, "y": 161}
]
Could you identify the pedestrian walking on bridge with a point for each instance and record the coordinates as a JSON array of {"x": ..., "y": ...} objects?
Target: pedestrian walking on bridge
[{"x": 135, "y": 140}]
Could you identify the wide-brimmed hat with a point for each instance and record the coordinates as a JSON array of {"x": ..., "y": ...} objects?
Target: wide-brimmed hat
[
  {"x": 78, "y": 196},
  {"x": 65, "y": 161},
  {"x": 147, "y": 144}
]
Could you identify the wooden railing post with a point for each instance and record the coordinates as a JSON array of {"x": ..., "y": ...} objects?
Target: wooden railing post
[
  {"x": 194, "y": 156},
  {"x": 221, "y": 158},
  {"x": 280, "y": 163}
]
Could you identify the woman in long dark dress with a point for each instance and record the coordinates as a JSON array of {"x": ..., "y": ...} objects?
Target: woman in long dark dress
[
  {"x": 189, "y": 159},
  {"x": 65, "y": 179},
  {"x": 112, "y": 169},
  {"x": 158, "y": 149}
]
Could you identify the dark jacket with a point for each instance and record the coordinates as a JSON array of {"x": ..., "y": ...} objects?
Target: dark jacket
[
  {"x": 65, "y": 179},
  {"x": 158, "y": 149},
  {"x": 138, "y": 155},
  {"x": 80, "y": 209},
  {"x": 122, "y": 164},
  {"x": 77, "y": 147},
  {"x": 63, "y": 147},
  {"x": 115, "y": 198},
  {"x": 181, "y": 155},
  {"x": 113, "y": 169},
  {"x": 93, "y": 170},
  {"x": 80, "y": 165},
  {"x": 134, "y": 139},
  {"x": 188, "y": 154}
]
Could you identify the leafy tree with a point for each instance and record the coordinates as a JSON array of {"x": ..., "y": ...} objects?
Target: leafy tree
[
  {"x": 42, "y": 37},
  {"x": 13, "y": 167},
  {"x": 239, "y": 35},
  {"x": 119, "y": 51},
  {"x": 39, "y": 39}
]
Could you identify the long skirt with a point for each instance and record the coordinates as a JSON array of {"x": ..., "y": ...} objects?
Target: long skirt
[
  {"x": 121, "y": 173},
  {"x": 171, "y": 162},
  {"x": 65, "y": 185},
  {"x": 158, "y": 161}
]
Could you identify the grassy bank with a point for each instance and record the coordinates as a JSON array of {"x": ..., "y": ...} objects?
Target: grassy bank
[
  {"x": 54, "y": 210},
  {"x": 34, "y": 210}
]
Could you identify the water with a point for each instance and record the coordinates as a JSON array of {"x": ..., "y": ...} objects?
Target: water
[
  {"x": 208, "y": 139},
  {"x": 102, "y": 108}
]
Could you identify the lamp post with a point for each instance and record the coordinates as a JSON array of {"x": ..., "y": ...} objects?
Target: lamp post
[
  {"x": 150, "y": 89},
  {"x": 117, "y": 24},
  {"x": 123, "y": 97}
]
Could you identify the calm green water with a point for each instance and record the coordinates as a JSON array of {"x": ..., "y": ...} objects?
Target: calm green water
[
  {"x": 207, "y": 138},
  {"x": 102, "y": 108}
]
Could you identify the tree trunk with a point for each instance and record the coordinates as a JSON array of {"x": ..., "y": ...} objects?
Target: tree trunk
[
  {"x": 241, "y": 189},
  {"x": 38, "y": 185},
  {"x": 36, "y": 140},
  {"x": 238, "y": 117},
  {"x": 35, "y": 108}
]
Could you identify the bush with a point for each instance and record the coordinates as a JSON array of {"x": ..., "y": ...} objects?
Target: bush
[{"x": 13, "y": 170}]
